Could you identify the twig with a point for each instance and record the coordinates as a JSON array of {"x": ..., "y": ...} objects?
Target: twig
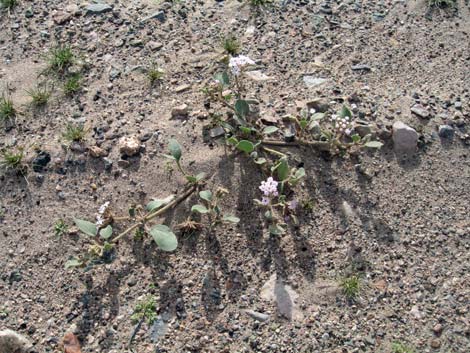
[{"x": 158, "y": 212}]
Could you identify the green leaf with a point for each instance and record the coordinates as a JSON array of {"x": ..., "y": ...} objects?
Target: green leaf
[
  {"x": 282, "y": 170},
  {"x": 373, "y": 144},
  {"x": 195, "y": 179},
  {"x": 199, "y": 208},
  {"x": 232, "y": 140},
  {"x": 157, "y": 203},
  {"x": 223, "y": 78},
  {"x": 175, "y": 149},
  {"x": 245, "y": 130},
  {"x": 231, "y": 219},
  {"x": 245, "y": 146},
  {"x": 317, "y": 116},
  {"x": 206, "y": 195},
  {"x": 356, "y": 138},
  {"x": 73, "y": 262},
  {"x": 106, "y": 233},
  {"x": 86, "y": 227},
  {"x": 345, "y": 112},
  {"x": 274, "y": 229},
  {"x": 131, "y": 212},
  {"x": 303, "y": 124},
  {"x": 242, "y": 108},
  {"x": 164, "y": 237},
  {"x": 270, "y": 130},
  {"x": 299, "y": 173}
]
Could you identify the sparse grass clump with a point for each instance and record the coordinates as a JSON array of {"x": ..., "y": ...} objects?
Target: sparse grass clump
[
  {"x": 155, "y": 74},
  {"x": 260, "y": 3},
  {"x": 74, "y": 133},
  {"x": 12, "y": 160},
  {"x": 39, "y": 96},
  {"x": 7, "y": 110},
  {"x": 60, "y": 228},
  {"x": 8, "y": 4},
  {"x": 73, "y": 85},
  {"x": 398, "y": 347},
  {"x": 351, "y": 286},
  {"x": 60, "y": 58},
  {"x": 441, "y": 3},
  {"x": 145, "y": 310},
  {"x": 231, "y": 45}
]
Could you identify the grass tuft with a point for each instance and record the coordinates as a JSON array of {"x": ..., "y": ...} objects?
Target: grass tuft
[
  {"x": 7, "y": 110},
  {"x": 155, "y": 74},
  {"x": 60, "y": 58},
  {"x": 73, "y": 85},
  {"x": 12, "y": 161},
  {"x": 351, "y": 286},
  {"x": 74, "y": 133},
  {"x": 145, "y": 310},
  {"x": 60, "y": 228},
  {"x": 8, "y": 4},
  {"x": 39, "y": 95},
  {"x": 231, "y": 45},
  {"x": 398, "y": 347}
]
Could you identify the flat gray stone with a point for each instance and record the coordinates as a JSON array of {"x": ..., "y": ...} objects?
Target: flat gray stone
[
  {"x": 420, "y": 111},
  {"x": 98, "y": 8},
  {"x": 312, "y": 81}
]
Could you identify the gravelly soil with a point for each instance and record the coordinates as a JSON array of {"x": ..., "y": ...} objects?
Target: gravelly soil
[{"x": 402, "y": 222}]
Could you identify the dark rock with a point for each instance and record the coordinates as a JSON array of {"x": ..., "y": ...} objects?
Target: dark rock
[
  {"x": 446, "y": 131},
  {"x": 41, "y": 160}
]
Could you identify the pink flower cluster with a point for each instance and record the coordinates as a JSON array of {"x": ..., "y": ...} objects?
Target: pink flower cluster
[
  {"x": 237, "y": 63},
  {"x": 269, "y": 189},
  {"x": 342, "y": 125}
]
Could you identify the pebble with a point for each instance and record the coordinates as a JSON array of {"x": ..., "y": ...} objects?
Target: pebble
[
  {"x": 12, "y": 342},
  {"x": 312, "y": 81},
  {"x": 129, "y": 145},
  {"x": 446, "y": 131},
  {"x": 405, "y": 138},
  {"x": 98, "y": 8},
  {"x": 420, "y": 111}
]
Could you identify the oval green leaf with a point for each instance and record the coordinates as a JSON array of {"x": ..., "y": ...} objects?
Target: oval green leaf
[
  {"x": 86, "y": 227},
  {"x": 106, "y": 233},
  {"x": 164, "y": 237},
  {"x": 231, "y": 219},
  {"x": 246, "y": 146},
  {"x": 270, "y": 130},
  {"x": 206, "y": 195},
  {"x": 175, "y": 149},
  {"x": 199, "y": 208},
  {"x": 373, "y": 144}
]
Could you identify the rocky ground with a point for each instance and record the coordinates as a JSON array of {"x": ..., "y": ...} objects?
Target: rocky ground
[{"x": 398, "y": 216}]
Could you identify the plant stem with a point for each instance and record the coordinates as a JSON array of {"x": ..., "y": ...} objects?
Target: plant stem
[
  {"x": 322, "y": 145},
  {"x": 158, "y": 212},
  {"x": 277, "y": 153}
]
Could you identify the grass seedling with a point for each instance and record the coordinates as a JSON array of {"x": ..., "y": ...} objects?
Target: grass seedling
[
  {"x": 8, "y": 4},
  {"x": 60, "y": 58},
  {"x": 146, "y": 310},
  {"x": 60, "y": 228},
  {"x": 398, "y": 347},
  {"x": 72, "y": 85},
  {"x": 7, "y": 110},
  {"x": 74, "y": 133},
  {"x": 39, "y": 96},
  {"x": 12, "y": 161},
  {"x": 154, "y": 74},
  {"x": 351, "y": 286},
  {"x": 231, "y": 45}
]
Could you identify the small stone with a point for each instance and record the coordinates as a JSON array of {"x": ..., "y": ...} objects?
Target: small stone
[
  {"x": 70, "y": 343},
  {"x": 320, "y": 105},
  {"x": 12, "y": 342},
  {"x": 312, "y": 81},
  {"x": 361, "y": 67},
  {"x": 154, "y": 45},
  {"x": 258, "y": 76},
  {"x": 180, "y": 111},
  {"x": 446, "y": 131},
  {"x": 122, "y": 163},
  {"x": 257, "y": 315},
  {"x": 182, "y": 88},
  {"x": 437, "y": 329},
  {"x": 41, "y": 160},
  {"x": 108, "y": 164},
  {"x": 98, "y": 8},
  {"x": 405, "y": 138},
  {"x": 61, "y": 17},
  {"x": 458, "y": 105},
  {"x": 420, "y": 111},
  {"x": 217, "y": 132},
  {"x": 97, "y": 152},
  {"x": 435, "y": 343},
  {"x": 416, "y": 313},
  {"x": 129, "y": 146},
  {"x": 159, "y": 15}
]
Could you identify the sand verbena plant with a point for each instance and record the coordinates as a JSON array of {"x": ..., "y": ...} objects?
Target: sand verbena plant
[{"x": 7, "y": 110}]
